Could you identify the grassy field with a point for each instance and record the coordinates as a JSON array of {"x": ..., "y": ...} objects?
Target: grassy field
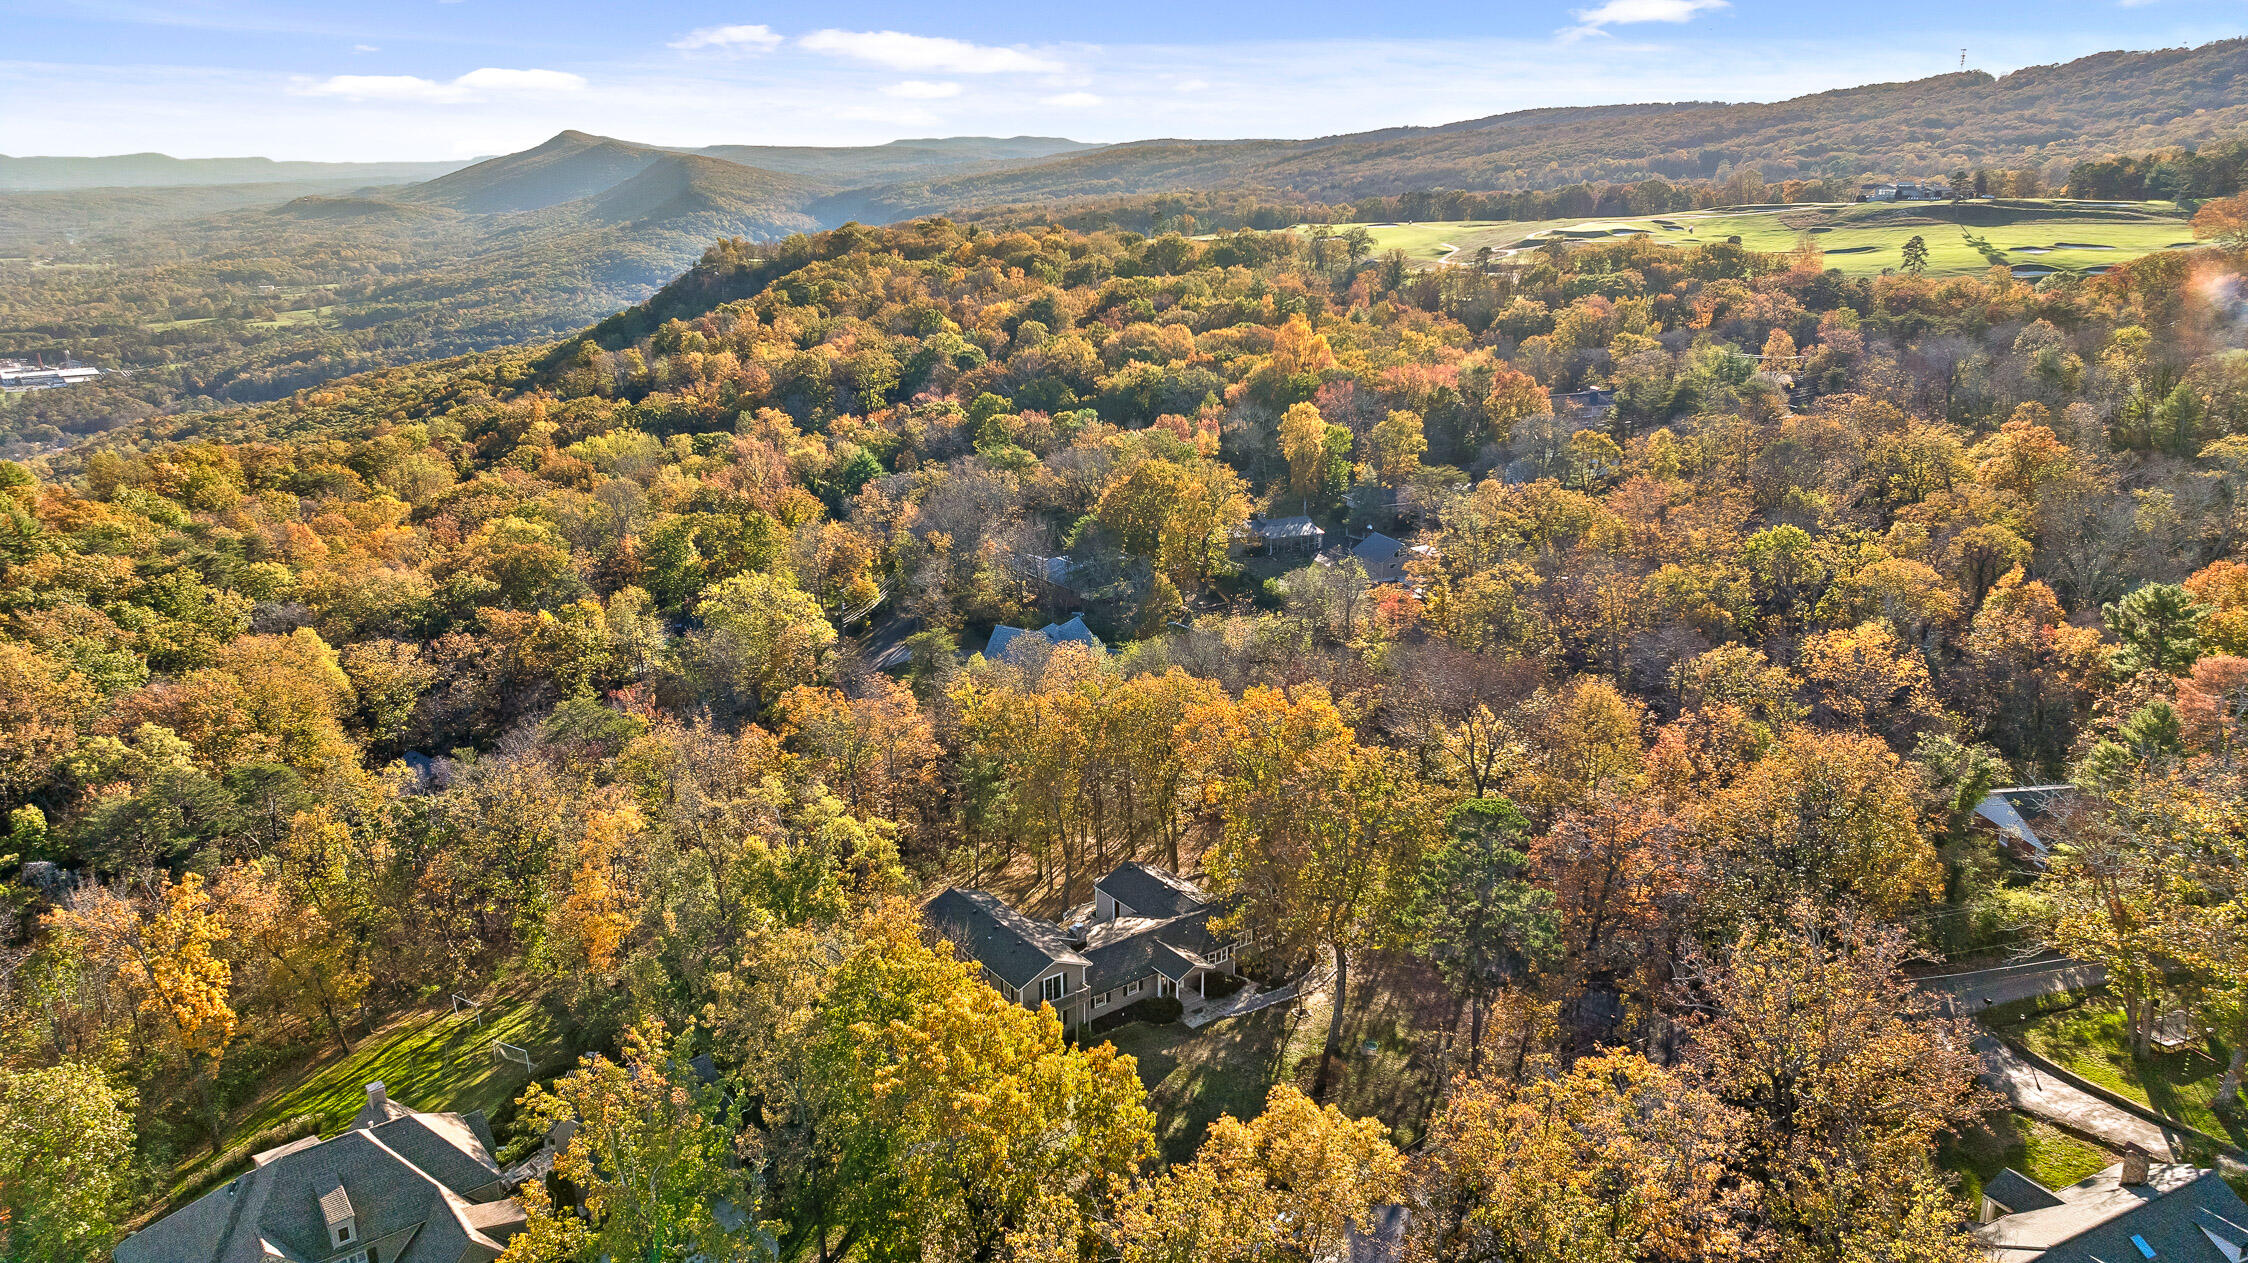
[
  {"x": 2088, "y": 1040},
  {"x": 426, "y": 1058},
  {"x": 294, "y": 316},
  {"x": 1862, "y": 239}
]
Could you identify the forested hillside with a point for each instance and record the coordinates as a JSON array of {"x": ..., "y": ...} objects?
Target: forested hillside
[
  {"x": 221, "y": 296},
  {"x": 2044, "y": 117},
  {"x": 636, "y": 673},
  {"x": 249, "y": 291}
]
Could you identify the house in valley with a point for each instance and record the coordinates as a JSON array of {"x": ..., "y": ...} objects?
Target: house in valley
[
  {"x": 1385, "y": 558},
  {"x": 1073, "y": 632},
  {"x": 397, "y": 1186},
  {"x": 1297, "y": 536},
  {"x": 1148, "y": 935},
  {"x": 2016, "y": 813}
]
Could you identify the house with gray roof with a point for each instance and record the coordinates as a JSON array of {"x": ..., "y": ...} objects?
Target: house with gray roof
[
  {"x": 1279, "y": 536},
  {"x": 2012, "y": 813},
  {"x": 1150, "y": 935},
  {"x": 397, "y": 1186},
  {"x": 2133, "y": 1211},
  {"x": 1381, "y": 556},
  {"x": 1073, "y": 632}
]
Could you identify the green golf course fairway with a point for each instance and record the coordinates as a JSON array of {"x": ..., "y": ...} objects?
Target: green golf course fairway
[{"x": 1862, "y": 239}]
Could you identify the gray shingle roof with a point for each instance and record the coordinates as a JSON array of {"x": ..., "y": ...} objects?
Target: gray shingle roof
[
  {"x": 294, "y": 1197},
  {"x": 1014, "y": 947},
  {"x": 1073, "y": 632},
  {"x": 1297, "y": 527},
  {"x": 1376, "y": 548},
  {"x": 1151, "y": 892},
  {"x": 2017, "y": 1192},
  {"x": 1171, "y": 948},
  {"x": 2179, "y": 1214},
  {"x": 335, "y": 1205}
]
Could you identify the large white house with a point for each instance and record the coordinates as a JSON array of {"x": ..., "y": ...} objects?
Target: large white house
[{"x": 1149, "y": 936}]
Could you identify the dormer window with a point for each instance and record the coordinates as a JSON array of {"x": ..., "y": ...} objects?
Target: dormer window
[{"x": 336, "y": 1208}]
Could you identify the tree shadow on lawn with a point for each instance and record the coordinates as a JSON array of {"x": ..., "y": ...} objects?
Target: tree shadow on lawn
[
  {"x": 2090, "y": 1041},
  {"x": 1231, "y": 1066}
]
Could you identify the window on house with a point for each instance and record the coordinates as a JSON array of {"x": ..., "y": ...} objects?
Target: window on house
[
  {"x": 1101, "y": 1001},
  {"x": 1056, "y": 985},
  {"x": 343, "y": 1234},
  {"x": 1131, "y": 988}
]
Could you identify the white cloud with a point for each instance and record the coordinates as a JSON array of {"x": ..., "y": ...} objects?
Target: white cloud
[
  {"x": 473, "y": 86},
  {"x": 900, "y": 51},
  {"x": 1071, "y": 101},
  {"x": 1627, "y": 12},
  {"x": 365, "y": 48},
  {"x": 922, "y": 90},
  {"x": 497, "y": 80},
  {"x": 744, "y": 39}
]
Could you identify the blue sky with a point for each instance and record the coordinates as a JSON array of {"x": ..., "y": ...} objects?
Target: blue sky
[{"x": 407, "y": 79}]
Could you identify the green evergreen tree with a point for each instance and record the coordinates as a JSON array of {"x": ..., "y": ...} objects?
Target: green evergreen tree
[
  {"x": 1475, "y": 916},
  {"x": 2160, "y": 627}
]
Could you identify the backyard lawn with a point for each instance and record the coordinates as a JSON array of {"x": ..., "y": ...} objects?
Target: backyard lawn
[
  {"x": 2039, "y": 1150},
  {"x": 426, "y": 1058},
  {"x": 1228, "y": 1067},
  {"x": 2088, "y": 1040}
]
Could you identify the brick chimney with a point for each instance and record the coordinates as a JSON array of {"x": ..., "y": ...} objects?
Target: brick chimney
[{"x": 2135, "y": 1162}]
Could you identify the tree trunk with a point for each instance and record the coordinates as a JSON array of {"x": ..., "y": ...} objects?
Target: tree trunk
[
  {"x": 335, "y": 1026},
  {"x": 1334, "y": 1044}
]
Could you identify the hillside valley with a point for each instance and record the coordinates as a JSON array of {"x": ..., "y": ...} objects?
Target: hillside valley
[{"x": 217, "y": 293}]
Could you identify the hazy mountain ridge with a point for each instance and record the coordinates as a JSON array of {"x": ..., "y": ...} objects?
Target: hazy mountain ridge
[
  {"x": 149, "y": 170},
  {"x": 246, "y": 292},
  {"x": 2043, "y": 115}
]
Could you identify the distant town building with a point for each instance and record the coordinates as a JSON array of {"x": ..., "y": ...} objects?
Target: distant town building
[
  {"x": 1904, "y": 191},
  {"x": 18, "y": 375}
]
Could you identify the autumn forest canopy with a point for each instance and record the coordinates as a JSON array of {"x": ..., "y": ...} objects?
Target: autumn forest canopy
[{"x": 638, "y": 676}]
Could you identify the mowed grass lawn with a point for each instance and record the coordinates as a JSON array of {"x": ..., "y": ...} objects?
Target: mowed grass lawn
[
  {"x": 1861, "y": 239},
  {"x": 1228, "y": 1067},
  {"x": 425, "y": 1058},
  {"x": 1425, "y": 242},
  {"x": 2039, "y": 1150},
  {"x": 2088, "y": 1040}
]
